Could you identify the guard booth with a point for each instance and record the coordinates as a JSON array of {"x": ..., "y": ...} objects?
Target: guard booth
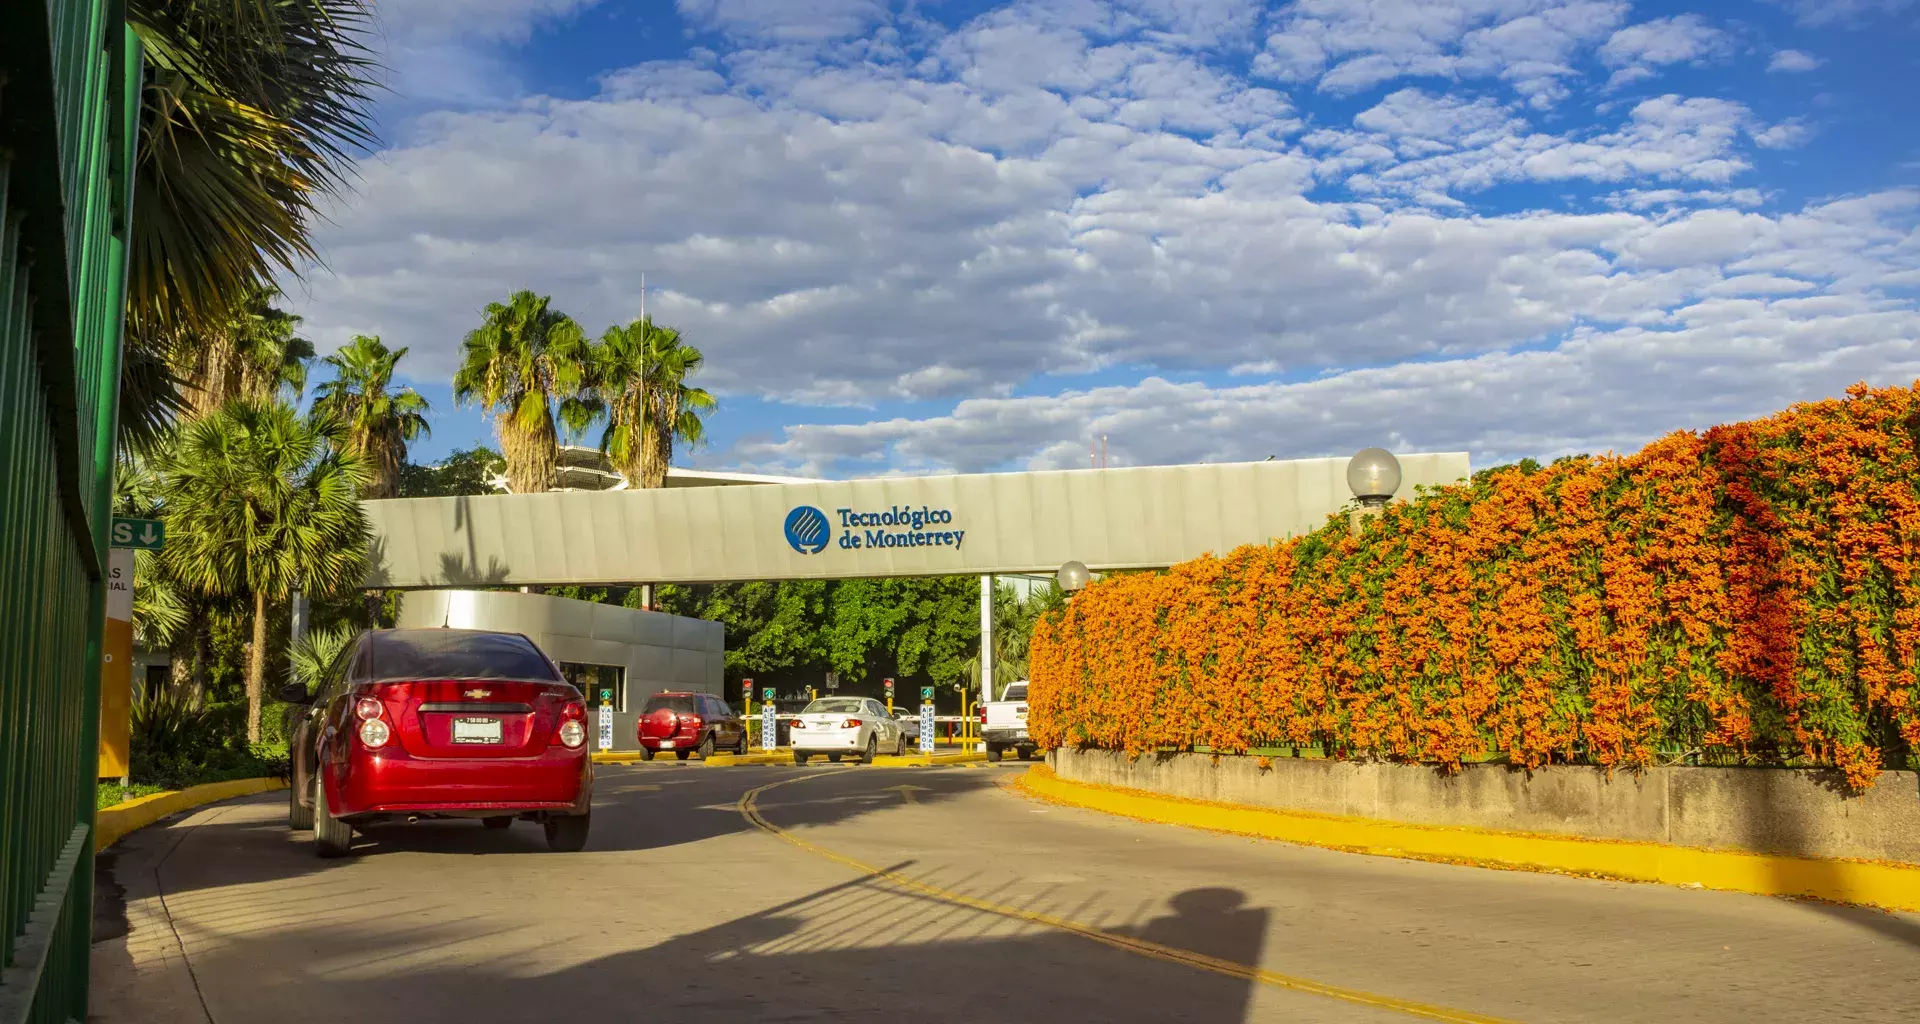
[{"x": 69, "y": 116}]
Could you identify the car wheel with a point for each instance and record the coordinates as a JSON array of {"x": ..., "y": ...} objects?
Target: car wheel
[
  {"x": 993, "y": 752},
  {"x": 706, "y": 747},
  {"x": 741, "y": 749},
  {"x": 646, "y": 753},
  {"x": 872, "y": 751},
  {"x": 900, "y": 748},
  {"x": 299, "y": 819},
  {"x": 331, "y": 836},
  {"x": 567, "y": 834},
  {"x": 1026, "y": 753},
  {"x": 833, "y": 758},
  {"x": 682, "y": 755},
  {"x": 498, "y": 821},
  {"x": 799, "y": 758}
]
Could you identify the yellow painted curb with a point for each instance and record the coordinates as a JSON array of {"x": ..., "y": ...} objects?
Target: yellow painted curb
[
  {"x": 113, "y": 823},
  {"x": 615, "y": 756},
  {"x": 1875, "y": 883},
  {"x": 923, "y": 760},
  {"x": 780, "y": 756}
]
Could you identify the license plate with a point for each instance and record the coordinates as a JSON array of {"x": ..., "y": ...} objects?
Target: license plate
[
  {"x": 476, "y": 730},
  {"x": 666, "y": 743}
]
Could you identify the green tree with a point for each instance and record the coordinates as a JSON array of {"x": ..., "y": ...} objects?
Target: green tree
[
  {"x": 465, "y": 471},
  {"x": 250, "y": 116},
  {"x": 256, "y": 354},
  {"x": 260, "y": 502},
  {"x": 523, "y": 360},
  {"x": 639, "y": 379},
  {"x": 380, "y": 421}
]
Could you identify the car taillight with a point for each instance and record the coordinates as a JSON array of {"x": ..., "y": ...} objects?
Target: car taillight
[
  {"x": 797, "y": 724},
  {"x": 374, "y": 733},
  {"x": 983, "y": 716},
  {"x": 367, "y": 708},
  {"x": 695, "y": 721},
  {"x": 851, "y": 723},
  {"x": 573, "y": 726}
]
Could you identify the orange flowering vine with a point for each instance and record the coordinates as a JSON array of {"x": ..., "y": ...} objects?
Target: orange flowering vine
[{"x": 1747, "y": 594}]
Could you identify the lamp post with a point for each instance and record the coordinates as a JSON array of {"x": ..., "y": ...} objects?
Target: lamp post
[
  {"x": 1072, "y": 578},
  {"x": 1373, "y": 474}
]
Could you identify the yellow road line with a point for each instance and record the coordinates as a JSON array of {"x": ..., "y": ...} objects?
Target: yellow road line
[{"x": 749, "y": 809}]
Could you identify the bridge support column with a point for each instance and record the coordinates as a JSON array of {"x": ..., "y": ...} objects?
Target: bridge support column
[{"x": 986, "y": 643}]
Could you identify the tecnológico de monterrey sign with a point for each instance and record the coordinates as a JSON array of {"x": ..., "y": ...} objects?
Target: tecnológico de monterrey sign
[{"x": 810, "y": 530}]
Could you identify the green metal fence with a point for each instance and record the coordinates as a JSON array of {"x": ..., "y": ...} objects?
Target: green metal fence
[{"x": 69, "y": 91}]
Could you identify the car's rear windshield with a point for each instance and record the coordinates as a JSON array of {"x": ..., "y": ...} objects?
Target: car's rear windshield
[
  {"x": 455, "y": 654},
  {"x": 1016, "y": 691},
  {"x": 833, "y": 706},
  {"x": 677, "y": 705}
]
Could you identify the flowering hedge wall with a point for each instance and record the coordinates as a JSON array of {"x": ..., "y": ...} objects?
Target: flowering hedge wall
[{"x": 1751, "y": 593}]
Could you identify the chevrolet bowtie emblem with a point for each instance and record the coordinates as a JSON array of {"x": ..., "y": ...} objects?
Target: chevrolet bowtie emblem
[{"x": 478, "y": 694}]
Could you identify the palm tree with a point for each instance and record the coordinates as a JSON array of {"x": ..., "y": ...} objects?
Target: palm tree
[
  {"x": 250, "y": 116},
  {"x": 640, "y": 377},
  {"x": 523, "y": 359},
  {"x": 380, "y": 422},
  {"x": 261, "y": 502},
  {"x": 254, "y": 355}
]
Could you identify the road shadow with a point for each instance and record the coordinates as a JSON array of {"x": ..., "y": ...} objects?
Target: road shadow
[
  {"x": 635, "y": 809},
  {"x": 863, "y": 950}
]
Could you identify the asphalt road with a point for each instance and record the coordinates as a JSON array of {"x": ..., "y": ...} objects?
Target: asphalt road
[{"x": 761, "y": 894}]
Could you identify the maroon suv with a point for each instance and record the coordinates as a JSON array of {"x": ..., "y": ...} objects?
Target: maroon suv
[{"x": 683, "y": 723}]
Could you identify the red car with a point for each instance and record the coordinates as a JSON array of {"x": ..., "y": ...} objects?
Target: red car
[
  {"x": 683, "y": 723},
  {"x": 440, "y": 723}
]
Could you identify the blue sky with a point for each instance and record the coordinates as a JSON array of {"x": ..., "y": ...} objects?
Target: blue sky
[{"x": 955, "y": 235}]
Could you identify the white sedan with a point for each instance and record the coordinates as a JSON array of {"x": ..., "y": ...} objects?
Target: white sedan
[{"x": 838, "y": 726}]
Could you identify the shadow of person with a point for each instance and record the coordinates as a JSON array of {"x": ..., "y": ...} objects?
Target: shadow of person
[{"x": 1215, "y": 922}]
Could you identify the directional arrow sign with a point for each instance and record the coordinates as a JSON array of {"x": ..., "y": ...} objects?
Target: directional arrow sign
[
  {"x": 906, "y": 792},
  {"x": 141, "y": 534}
]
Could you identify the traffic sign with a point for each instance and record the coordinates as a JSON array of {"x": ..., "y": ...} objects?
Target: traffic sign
[
  {"x": 833, "y": 680},
  {"x": 766, "y": 694},
  {"x": 926, "y": 693},
  {"x": 141, "y": 534},
  {"x": 606, "y": 727},
  {"x": 769, "y": 727},
  {"x": 926, "y": 723},
  {"x": 606, "y": 696}
]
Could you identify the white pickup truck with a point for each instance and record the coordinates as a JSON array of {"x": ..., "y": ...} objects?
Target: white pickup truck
[{"x": 1003, "y": 723}]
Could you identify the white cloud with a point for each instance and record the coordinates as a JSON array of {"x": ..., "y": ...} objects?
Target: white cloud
[
  {"x": 1067, "y": 187},
  {"x": 785, "y": 20},
  {"x": 1347, "y": 46},
  {"x": 1635, "y": 51},
  {"x": 1850, "y": 13},
  {"x": 420, "y": 21},
  {"x": 1793, "y": 62}
]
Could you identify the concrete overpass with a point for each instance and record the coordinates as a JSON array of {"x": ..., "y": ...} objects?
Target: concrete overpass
[{"x": 980, "y": 524}]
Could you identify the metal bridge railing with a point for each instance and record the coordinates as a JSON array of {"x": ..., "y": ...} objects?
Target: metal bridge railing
[{"x": 69, "y": 108}]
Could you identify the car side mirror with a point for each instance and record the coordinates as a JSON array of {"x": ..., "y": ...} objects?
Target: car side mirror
[{"x": 295, "y": 693}]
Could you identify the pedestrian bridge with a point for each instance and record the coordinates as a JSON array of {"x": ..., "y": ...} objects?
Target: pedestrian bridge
[{"x": 977, "y": 524}]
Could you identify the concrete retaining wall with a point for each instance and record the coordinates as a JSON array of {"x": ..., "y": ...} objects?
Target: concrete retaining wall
[{"x": 1765, "y": 810}]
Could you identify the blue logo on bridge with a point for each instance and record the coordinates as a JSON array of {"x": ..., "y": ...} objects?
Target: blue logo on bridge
[{"x": 807, "y": 530}]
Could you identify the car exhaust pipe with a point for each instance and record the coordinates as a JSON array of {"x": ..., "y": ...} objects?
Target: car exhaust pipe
[{"x": 413, "y": 819}]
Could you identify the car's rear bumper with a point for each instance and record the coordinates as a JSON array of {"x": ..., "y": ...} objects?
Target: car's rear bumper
[
  {"x": 668, "y": 742},
  {"x": 1015, "y": 736},
  {"x": 396, "y": 783},
  {"x": 823, "y": 742}
]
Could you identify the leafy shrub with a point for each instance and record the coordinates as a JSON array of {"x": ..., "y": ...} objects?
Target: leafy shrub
[
  {"x": 1749, "y": 593},
  {"x": 175, "y": 745}
]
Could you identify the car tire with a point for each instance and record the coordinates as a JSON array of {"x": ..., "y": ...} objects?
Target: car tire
[
  {"x": 299, "y": 819},
  {"x": 331, "y": 836},
  {"x": 900, "y": 748},
  {"x": 498, "y": 821},
  {"x": 833, "y": 758},
  {"x": 706, "y": 747},
  {"x": 568, "y": 834},
  {"x": 682, "y": 755},
  {"x": 872, "y": 751},
  {"x": 799, "y": 758},
  {"x": 741, "y": 749},
  {"x": 1026, "y": 753},
  {"x": 646, "y": 753},
  {"x": 993, "y": 752}
]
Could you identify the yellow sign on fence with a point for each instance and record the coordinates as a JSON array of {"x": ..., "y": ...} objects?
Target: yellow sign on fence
[{"x": 116, "y": 674}]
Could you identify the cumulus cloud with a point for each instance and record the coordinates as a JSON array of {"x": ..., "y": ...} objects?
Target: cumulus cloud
[
  {"x": 1793, "y": 62},
  {"x": 899, "y": 212}
]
